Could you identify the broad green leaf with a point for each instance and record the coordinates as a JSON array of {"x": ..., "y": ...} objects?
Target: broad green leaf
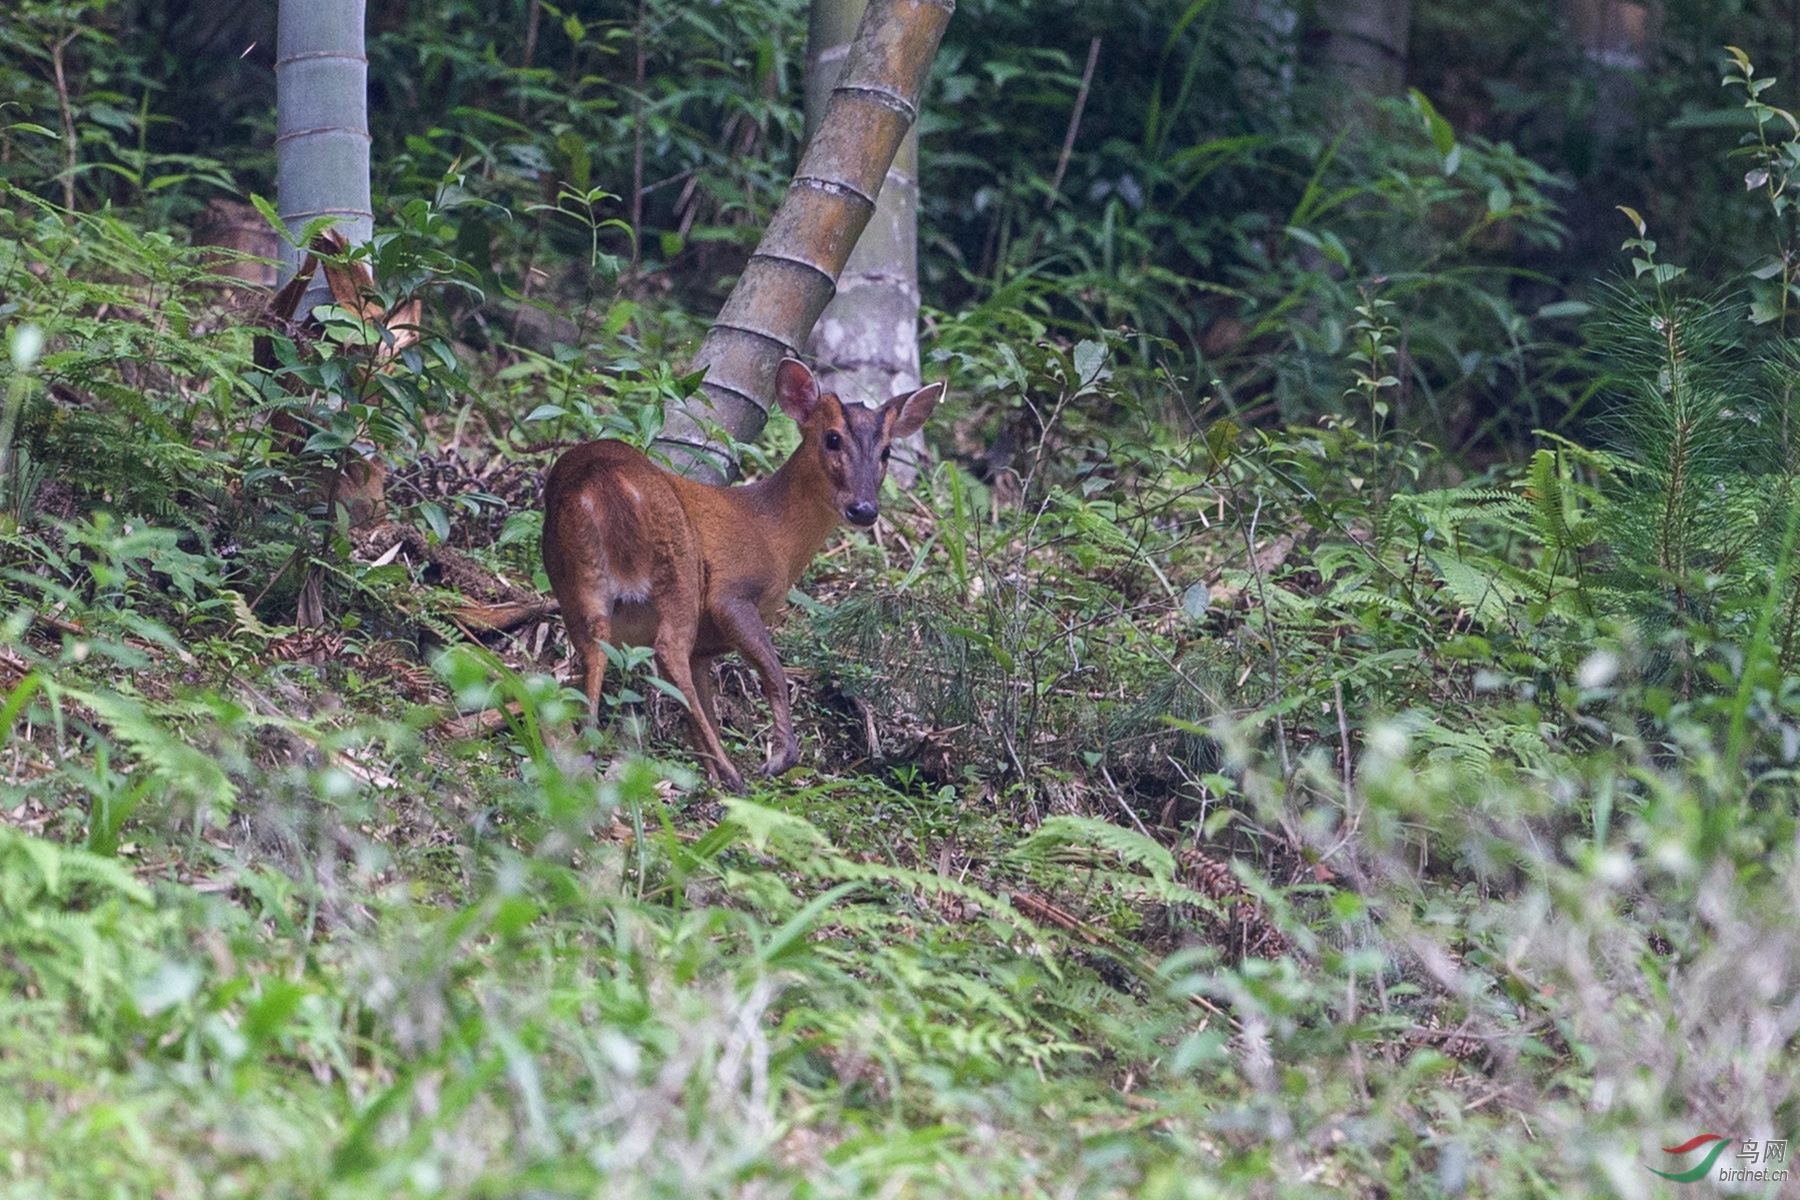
[{"x": 1090, "y": 357}]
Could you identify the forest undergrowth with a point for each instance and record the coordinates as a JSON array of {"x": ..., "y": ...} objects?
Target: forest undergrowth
[{"x": 1191, "y": 804}]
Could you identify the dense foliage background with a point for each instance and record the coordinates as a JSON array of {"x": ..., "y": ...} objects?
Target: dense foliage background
[{"x": 1323, "y": 723}]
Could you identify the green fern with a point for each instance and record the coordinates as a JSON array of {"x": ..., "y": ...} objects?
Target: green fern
[
  {"x": 35, "y": 871},
  {"x": 1099, "y": 848},
  {"x": 805, "y": 848},
  {"x": 72, "y": 924},
  {"x": 164, "y": 752},
  {"x": 1065, "y": 837}
]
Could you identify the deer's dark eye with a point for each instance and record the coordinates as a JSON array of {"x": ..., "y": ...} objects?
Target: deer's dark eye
[
  {"x": 884, "y": 454},
  {"x": 833, "y": 441}
]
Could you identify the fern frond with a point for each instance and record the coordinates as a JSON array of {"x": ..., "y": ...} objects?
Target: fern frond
[
  {"x": 926, "y": 883},
  {"x": 1066, "y": 838},
  {"x": 166, "y": 754},
  {"x": 1487, "y": 594},
  {"x": 56, "y": 869}
]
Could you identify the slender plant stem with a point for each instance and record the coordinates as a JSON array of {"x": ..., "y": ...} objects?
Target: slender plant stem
[
  {"x": 1068, "y": 146},
  {"x": 533, "y": 14},
  {"x": 68, "y": 116}
]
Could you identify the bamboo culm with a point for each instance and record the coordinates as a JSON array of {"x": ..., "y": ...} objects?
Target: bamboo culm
[
  {"x": 321, "y": 127},
  {"x": 865, "y": 345},
  {"x": 795, "y": 269}
]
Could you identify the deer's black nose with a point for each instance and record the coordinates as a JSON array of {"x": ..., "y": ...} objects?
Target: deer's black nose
[{"x": 862, "y": 513}]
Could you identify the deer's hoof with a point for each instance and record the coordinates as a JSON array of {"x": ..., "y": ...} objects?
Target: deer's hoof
[
  {"x": 725, "y": 775},
  {"x": 786, "y": 761}
]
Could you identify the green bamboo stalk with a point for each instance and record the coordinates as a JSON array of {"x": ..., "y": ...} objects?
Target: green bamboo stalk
[
  {"x": 321, "y": 127},
  {"x": 795, "y": 269},
  {"x": 865, "y": 345}
]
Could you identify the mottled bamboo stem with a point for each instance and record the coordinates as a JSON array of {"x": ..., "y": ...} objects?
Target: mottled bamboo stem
[
  {"x": 865, "y": 345},
  {"x": 795, "y": 269}
]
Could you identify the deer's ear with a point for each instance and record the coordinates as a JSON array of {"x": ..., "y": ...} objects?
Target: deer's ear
[
  {"x": 911, "y": 412},
  {"x": 796, "y": 389}
]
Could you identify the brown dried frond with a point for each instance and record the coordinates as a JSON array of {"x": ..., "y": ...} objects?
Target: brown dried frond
[{"x": 1246, "y": 931}]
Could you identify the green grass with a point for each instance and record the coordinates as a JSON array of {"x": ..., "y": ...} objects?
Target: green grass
[{"x": 352, "y": 956}]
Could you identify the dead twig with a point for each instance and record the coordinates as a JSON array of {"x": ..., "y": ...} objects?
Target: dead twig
[
  {"x": 1046, "y": 913},
  {"x": 476, "y": 724}
]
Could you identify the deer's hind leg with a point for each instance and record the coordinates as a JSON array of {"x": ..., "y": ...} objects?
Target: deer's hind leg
[
  {"x": 677, "y": 630},
  {"x": 586, "y": 615},
  {"x": 593, "y": 659},
  {"x": 582, "y": 579}
]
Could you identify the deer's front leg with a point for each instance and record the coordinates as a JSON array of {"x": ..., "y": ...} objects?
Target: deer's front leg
[{"x": 743, "y": 625}]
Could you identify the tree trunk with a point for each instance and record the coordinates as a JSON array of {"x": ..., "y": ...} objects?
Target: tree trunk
[
  {"x": 1361, "y": 44},
  {"x": 321, "y": 127},
  {"x": 1620, "y": 37},
  {"x": 794, "y": 271},
  {"x": 1614, "y": 33},
  {"x": 866, "y": 343}
]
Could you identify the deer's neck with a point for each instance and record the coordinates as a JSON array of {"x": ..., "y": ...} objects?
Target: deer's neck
[{"x": 796, "y": 501}]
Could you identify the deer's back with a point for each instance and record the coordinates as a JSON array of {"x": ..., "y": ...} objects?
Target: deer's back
[
  {"x": 619, "y": 526},
  {"x": 613, "y": 520}
]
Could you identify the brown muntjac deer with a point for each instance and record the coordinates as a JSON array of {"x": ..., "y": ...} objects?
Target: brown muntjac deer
[{"x": 639, "y": 556}]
